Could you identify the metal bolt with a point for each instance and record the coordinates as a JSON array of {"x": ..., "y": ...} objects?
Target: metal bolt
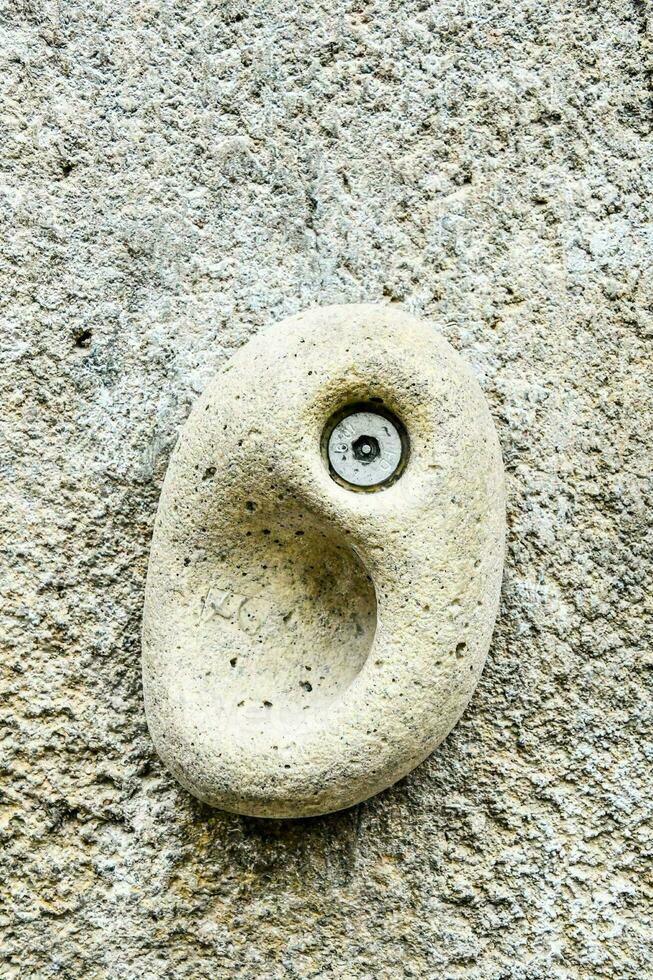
[{"x": 365, "y": 448}]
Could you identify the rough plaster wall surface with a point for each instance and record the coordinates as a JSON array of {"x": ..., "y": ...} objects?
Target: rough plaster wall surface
[{"x": 177, "y": 175}]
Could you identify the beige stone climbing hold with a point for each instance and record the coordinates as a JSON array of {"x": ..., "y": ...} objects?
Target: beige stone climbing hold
[{"x": 308, "y": 639}]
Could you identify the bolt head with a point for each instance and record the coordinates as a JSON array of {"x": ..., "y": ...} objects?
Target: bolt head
[{"x": 365, "y": 449}]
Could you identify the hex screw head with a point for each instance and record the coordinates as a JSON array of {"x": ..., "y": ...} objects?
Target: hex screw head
[{"x": 366, "y": 448}]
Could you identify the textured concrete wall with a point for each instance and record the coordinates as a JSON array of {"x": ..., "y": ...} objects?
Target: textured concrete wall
[{"x": 174, "y": 176}]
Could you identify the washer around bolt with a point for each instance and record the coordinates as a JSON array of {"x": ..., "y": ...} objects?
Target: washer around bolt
[{"x": 366, "y": 447}]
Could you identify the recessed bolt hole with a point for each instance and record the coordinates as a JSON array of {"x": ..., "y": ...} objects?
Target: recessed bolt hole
[{"x": 366, "y": 447}]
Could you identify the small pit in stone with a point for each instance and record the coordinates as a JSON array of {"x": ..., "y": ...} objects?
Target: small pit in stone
[{"x": 83, "y": 338}]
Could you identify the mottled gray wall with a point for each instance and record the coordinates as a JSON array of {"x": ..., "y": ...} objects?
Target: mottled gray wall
[{"x": 176, "y": 175}]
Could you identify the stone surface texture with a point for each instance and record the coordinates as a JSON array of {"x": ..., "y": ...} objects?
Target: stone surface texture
[
  {"x": 177, "y": 175},
  {"x": 306, "y": 646}
]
